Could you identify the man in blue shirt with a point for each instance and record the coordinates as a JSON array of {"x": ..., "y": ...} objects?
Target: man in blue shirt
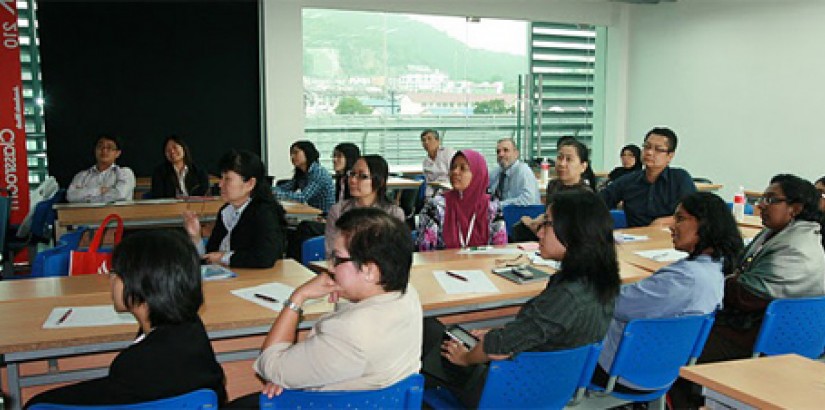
[
  {"x": 513, "y": 183},
  {"x": 650, "y": 195}
]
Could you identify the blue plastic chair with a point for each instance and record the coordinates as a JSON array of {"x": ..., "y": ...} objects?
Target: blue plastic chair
[
  {"x": 546, "y": 380},
  {"x": 793, "y": 326},
  {"x": 650, "y": 354},
  {"x": 748, "y": 208},
  {"x": 44, "y": 216},
  {"x": 512, "y": 214},
  {"x": 704, "y": 333},
  {"x": 406, "y": 394},
  {"x": 619, "y": 218},
  {"x": 199, "y": 399},
  {"x": 313, "y": 249}
]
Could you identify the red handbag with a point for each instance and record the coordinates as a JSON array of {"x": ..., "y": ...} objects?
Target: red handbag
[{"x": 94, "y": 260}]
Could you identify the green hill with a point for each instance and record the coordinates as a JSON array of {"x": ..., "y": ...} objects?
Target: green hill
[{"x": 361, "y": 48}]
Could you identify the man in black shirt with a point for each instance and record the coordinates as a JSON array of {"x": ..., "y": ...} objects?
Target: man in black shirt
[{"x": 650, "y": 195}]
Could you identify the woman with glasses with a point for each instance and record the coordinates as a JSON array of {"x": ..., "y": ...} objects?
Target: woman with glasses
[
  {"x": 311, "y": 183},
  {"x": 367, "y": 182},
  {"x": 373, "y": 338},
  {"x": 631, "y": 157},
  {"x": 344, "y": 156},
  {"x": 707, "y": 232},
  {"x": 573, "y": 310},
  {"x": 465, "y": 216},
  {"x": 785, "y": 260}
]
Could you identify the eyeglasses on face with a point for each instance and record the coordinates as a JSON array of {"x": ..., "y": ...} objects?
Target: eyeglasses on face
[
  {"x": 547, "y": 224},
  {"x": 110, "y": 147},
  {"x": 657, "y": 149},
  {"x": 770, "y": 200},
  {"x": 360, "y": 176},
  {"x": 336, "y": 260}
]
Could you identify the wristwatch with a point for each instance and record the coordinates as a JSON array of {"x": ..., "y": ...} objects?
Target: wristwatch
[{"x": 293, "y": 306}]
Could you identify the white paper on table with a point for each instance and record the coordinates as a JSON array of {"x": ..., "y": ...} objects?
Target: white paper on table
[
  {"x": 626, "y": 237},
  {"x": 87, "y": 316},
  {"x": 489, "y": 250},
  {"x": 536, "y": 259},
  {"x": 662, "y": 255},
  {"x": 477, "y": 282},
  {"x": 275, "y": 290}
]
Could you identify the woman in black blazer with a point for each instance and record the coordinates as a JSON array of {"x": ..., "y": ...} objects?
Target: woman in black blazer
[
  {"x": 157, "y": 279},
  {"x": 250, "y": 229},
  {"x": 167, "y": 176}
]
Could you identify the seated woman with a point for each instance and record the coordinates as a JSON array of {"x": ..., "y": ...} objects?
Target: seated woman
[
  {"x": 706, "y": 230},
  {"x": 157, "y": 279},
  {"x": 631, "y": 157},
  {"x": 370, "y": 268},
  {"x": 573, "y": 310},
  {"x": 572, "y": 161},
  {"x": 178, "y": 175},
  {"x": 249, "y": 230},
  {"x": 820, "y": 189},
  {"x": 785, "y": 260},
  {"x": 464, "y": 216},
  {"x": 368, "y": 186},
  {"x": 311, "y": 183},
  {"x": 343, "y": 158}
]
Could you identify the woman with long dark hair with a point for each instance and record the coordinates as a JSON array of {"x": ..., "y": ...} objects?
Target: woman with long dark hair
[
  {"x": 249, "y": 230},
  {"x": 311, "y": 183},
  {"x": 573, "y": 310},
  {"x": 344, "y": 156},
  {"x": 367, "y": 182},
  {"x": 706, "y": 230},
  {"x": 178, "y": 175}
]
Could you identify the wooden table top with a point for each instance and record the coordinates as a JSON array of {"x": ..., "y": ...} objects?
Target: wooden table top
[
  {"x": 776, "y": 382},
  {"x": 221, "y": 311}
]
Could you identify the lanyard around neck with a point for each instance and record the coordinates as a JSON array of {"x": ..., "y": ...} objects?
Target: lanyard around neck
[{"x": 466, "y": 242}]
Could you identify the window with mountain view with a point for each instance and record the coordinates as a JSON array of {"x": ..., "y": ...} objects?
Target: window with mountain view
[{"x": 379, "y": 79}]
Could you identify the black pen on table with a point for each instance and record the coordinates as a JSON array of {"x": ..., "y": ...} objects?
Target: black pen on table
[
  {"x": 64, "y": 317},
  {"x": 456, "y": 276},
  {"x": 267, "y": 298}
]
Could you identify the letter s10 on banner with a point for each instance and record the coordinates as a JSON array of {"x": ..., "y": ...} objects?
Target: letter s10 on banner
[{"x": 14, "y": 174}]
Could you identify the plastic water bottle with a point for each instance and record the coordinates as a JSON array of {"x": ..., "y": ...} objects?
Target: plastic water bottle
[
  {"x": 545, "y": 170},
  {"x": 739, "y": 205}
]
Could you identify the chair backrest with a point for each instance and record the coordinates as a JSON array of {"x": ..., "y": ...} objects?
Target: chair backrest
[
  {"x": 546, "y": 380},
  {"x": 619, "y": 218},
  {"x": 707, "y": 325},
  {"x": 44, "y": 215},
  {"x": 313, "y": 249},
  {"x": 512, "y": 214},
  {"x": 198, "y": 399},
  {"x": 673, "y": 339},
  {"x": 406, "y": 394},
  {"x": 793, "y": 326}
]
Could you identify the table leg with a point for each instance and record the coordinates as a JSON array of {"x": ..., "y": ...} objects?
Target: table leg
[{"x": 13, "y": 371}]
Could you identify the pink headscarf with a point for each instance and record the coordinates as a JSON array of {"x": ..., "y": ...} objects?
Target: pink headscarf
[{"x": 460, "y": 208}]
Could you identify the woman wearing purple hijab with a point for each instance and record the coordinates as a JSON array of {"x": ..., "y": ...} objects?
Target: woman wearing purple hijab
[{"x": 466, "y": 215}]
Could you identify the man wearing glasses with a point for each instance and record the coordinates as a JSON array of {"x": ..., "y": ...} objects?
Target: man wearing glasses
[
  {"x": 105, "y": 181},
  {"x": 650, "y": 195}
]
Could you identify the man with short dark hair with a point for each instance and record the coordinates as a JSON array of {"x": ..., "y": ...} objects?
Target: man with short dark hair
[
  {"x": 650, "y": 195},
  {"x": 513, "y": 183},
  {"x": 105, "y": 181}
]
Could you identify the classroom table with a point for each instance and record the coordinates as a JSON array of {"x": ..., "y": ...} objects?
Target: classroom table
[
  {"x": 705, "y": 187},
  {"x": 149, "y": 213},
  {"x": 776, "y": 382},
  {"x": 751, "y": 221},
  {"x": 144, "y": 185},
  {"x": 407, "y": 169}
]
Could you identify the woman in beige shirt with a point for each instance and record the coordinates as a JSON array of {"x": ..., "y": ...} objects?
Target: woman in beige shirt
[{"x": 372, "y": 341}]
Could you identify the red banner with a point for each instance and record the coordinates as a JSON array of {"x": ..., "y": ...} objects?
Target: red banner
[{"x": 14, "y": 174}]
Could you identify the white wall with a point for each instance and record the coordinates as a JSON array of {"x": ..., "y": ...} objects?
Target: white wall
[
  {"x": 741, "y": 82},
  {"x": 283, "y": 54}
]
